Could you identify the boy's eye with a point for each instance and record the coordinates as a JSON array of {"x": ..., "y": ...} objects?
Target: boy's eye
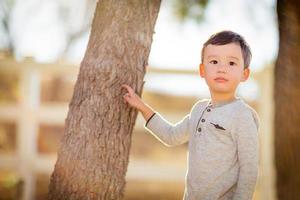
[
  {"x": 213, "y": 62},
  {"x": 232, "y": 63}
]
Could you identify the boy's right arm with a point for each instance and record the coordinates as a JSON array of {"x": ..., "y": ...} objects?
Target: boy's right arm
[{"x": 163, "y": 130}]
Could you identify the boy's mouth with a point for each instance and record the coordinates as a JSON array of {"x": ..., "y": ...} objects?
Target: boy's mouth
[{"x": 220, "y": 79}]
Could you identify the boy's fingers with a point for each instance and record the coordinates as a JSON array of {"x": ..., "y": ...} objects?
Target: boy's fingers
[
  {"x": 127, "y": 95},
  {"x": 125, "y": 86},
  {"x": 130, "y": 90}
]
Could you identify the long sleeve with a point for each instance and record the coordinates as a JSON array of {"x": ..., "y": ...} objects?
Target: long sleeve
[
  {"x": 168, "y": 133},
  {"x": 245, "y": 133}
]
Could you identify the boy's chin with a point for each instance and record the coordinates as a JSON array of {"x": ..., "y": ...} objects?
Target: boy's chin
[{"x": 221, "y": 90}]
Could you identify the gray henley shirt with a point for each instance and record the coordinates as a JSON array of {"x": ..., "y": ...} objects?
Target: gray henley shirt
[{"x": 223, "y": 148}]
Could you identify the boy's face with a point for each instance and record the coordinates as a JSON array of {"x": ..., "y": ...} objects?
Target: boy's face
[{"x": 223, "y": 68}]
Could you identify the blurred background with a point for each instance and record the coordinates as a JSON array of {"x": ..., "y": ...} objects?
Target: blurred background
[{"x": 41, "y": 46}]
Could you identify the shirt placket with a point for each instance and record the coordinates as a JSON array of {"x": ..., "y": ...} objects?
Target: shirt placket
[{"x": 202, "y": 119}]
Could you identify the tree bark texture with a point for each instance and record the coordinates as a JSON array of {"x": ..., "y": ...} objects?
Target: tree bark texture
[
  {"x": 94, "y": 151},
  {"x": 287, "y": 101}
]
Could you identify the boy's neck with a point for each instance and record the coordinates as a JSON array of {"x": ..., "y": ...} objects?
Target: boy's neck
[{"x": 222, "y": 98}]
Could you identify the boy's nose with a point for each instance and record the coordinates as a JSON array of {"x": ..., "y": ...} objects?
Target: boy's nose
[{"x": 222, "y": 67}]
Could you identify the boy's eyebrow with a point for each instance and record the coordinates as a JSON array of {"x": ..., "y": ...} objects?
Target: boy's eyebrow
[
  {"x": 228, "y": 56},
  {"x": 233, "y": 57},
  {"x": 212, "y": 56}
]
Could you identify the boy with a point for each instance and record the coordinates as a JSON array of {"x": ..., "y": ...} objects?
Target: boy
[{"x": 222, "y": 131}]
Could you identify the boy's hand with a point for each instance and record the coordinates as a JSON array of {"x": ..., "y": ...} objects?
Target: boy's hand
[
  {"x": 135, "y": 101},
  {"x": 132, "y": 98}
]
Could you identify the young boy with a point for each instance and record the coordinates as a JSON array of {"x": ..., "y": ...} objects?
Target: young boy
[{"x": 222, "y": 131}]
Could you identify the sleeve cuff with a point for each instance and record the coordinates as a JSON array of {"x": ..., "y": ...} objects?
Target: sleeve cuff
[{"x": 150, "y": 118}]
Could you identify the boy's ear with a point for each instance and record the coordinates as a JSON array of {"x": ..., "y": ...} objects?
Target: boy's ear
[
  {"x": 201, "y": 70},
  {"x": 246, "y": 73}
]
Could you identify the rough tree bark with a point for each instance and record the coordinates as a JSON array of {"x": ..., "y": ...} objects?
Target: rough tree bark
[
  {"x": 287, "y": 101},
  {"x": 93, "y": 155}
]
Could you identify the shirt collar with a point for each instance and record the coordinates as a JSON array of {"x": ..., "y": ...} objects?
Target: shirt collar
[{"x": 222, "y": 103}]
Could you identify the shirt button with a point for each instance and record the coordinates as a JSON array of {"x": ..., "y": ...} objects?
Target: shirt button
[
  {"x": 202, "y": 120},
  {"x": 208, "y": 110},
  {"x": 199, "y": 129}
]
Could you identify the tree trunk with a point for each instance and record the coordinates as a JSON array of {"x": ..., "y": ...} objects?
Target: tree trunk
[
  {"x": 94, "y": 151},
  {"x": 287, "y": 101}
]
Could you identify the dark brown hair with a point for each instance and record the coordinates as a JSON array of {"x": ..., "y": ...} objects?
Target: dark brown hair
[{"x": 226, "y": 37}]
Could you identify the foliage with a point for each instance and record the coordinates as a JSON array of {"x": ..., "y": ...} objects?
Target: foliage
[{"x": 189, "y": 9}]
